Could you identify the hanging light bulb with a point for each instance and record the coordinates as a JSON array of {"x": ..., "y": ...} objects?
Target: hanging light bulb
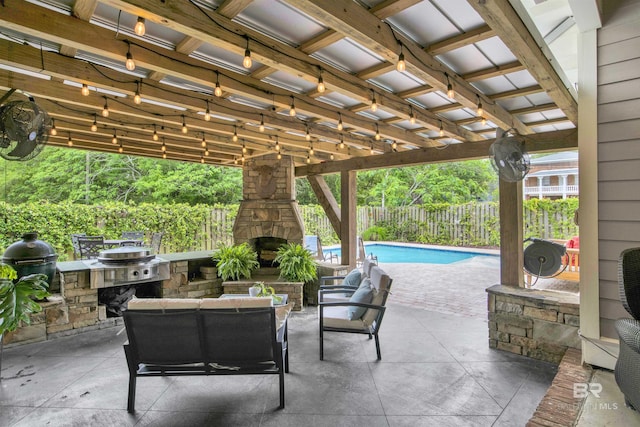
[
  {"x": 401, "y": 66},
  {"x": 377, "y": 136},
  {"x": 340, "y": 126},
  {"x": 85, "y": 90},
  {"x": 341, "y": 142},
  {"x": 292, "y": 110},
  {"x": 70, "y": 141},
  {"x": 218, "y": 90},
  {"x": 246, "y": 62},
  {"x": 394, "y": 145},
  {"x": 203, "y": 143},
  {"x": 105, "y": 109},
  {"x": 163, "y": 148},
  {"x": 185, "y": 129},
  {"x": 307, "y": 135},
  {"x": 242, "y": 159},
  {"x": 114, "y": 139},
  {"x": 235, "y": 161},
  {"x": 206, "y": 151},
  {"x": 261, "y": 123},
  {"x": 155, "y": 133},
  {"x": 207, "y": 113},
  {"x": 234, "y": 138},
  {"x": 371, "y": 148},
  {"x": 94, "y": 125},
  {"x": 279, "y": 156},
  {"x": 136, "y": 98},
  {"x": 331, "y": 156},
  {"x": 129, "y": 63},
  {"x": 412, "y": 118},
  {"x": 441, "y": 133},
  {"x": 374, "y": 104},
  {"x": 480, "y": 110},
  {"x": 53, "y": 131},
  {"x": 201, "y": 159},
  {"x": 308, "y": 159},
  {"x": 311, "y": 149},
  {"x": 244, "y": 149},
  {"x": 139, "y": 28},
  {"x": 450, "y": 92},
  {"x": 164, "y": 155},
  {"x": 277, "y": 146},
  {"x": 483, "y": 121},
  {"x": 321, "y": 86},
  {"x": 120, "y": 149}
]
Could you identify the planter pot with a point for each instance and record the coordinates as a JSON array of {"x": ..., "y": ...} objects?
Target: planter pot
[{"x": 254, "y": 291}]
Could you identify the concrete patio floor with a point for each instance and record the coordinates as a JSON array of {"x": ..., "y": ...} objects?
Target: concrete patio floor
[{"x": 436, "y": 370}]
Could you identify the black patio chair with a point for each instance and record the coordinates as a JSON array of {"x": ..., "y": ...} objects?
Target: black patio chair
[
  {"x": 74, "y": 244},
  {"x": 627, "y": 371},
  {"x": 90, "y": 246},
  {"x": 156, "y": 241},
  {"x": 133, "y": 235}
]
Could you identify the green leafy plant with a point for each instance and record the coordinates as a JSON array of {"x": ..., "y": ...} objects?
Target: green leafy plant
[
  {"x": 235, "y": 262},
  {"x": 267, "y": 291},
  {"x": 16, "y": 299},
  {"x": 296, "y": 263}
]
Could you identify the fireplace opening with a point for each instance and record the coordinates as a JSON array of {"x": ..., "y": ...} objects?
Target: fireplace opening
[
  {"x": 267, "y": 249},
  {"x": 116, "y": 298}
]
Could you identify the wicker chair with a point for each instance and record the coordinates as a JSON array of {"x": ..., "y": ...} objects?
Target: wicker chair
[{"x": 627, "y": 372}]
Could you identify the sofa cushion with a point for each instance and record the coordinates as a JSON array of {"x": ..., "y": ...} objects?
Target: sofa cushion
[
  {"x": 353, "y": 278},
  {"x": 163, "y": 303},
  {"x": 364, "y": 294},
  {"x": 243, "y": 302},
  {"x": 282, "y": 312}
]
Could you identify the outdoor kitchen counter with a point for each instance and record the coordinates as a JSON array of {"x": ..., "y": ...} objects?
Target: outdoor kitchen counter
[{"x": 78, "y": 265}]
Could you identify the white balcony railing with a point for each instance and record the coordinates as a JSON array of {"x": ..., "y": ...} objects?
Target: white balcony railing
[{"x": 552, "y": 190}]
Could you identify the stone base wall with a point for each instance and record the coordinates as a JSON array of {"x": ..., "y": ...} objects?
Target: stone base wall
[
  {"x": 537, "y": 324},
  {"x": 76, "y": 308}
]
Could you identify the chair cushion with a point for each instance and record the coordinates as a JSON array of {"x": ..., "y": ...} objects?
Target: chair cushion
[
  {"x": 162, "y": 303},
  {"x": 338, "y": 317},
  {"x": 353, "y": 278},
  {"x": 363, "y": 294},
  {"x": 282, "y": 312},
  {"x": 243, "y": 302}
]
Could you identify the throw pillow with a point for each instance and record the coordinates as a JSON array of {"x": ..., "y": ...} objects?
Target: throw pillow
[
  {"x": 363, "y": 294},
  {"x": 353, "y": 278}
]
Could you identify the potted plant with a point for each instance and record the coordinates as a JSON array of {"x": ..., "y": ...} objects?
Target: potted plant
[
  {"x": 296, "y": 263},
  {"x": 17, "y": 299},
  {"x": 259, "y": 289},
  {"x": 235, "y": 262}
]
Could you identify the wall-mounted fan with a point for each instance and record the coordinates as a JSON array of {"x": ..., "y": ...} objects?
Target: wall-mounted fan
[
  {"x": 508, "y": 157},
  {"x": 24, "y": 130},
  {"x": 543, "y": 258}
]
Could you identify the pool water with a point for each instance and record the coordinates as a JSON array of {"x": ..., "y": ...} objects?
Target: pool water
[{"x": 412, "y": 254}]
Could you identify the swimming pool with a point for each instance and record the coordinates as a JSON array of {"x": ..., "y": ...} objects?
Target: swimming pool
[{"x": 416, "y": 254}]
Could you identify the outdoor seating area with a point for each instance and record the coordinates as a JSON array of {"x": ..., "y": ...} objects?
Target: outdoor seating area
[{"x": 88, "y": 247}]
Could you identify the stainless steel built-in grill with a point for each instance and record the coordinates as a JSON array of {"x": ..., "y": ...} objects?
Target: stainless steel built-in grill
[{"x": 126, "y": 265}]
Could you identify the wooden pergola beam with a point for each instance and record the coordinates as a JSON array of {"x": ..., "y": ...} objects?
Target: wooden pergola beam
[{"x": 326, "y": 200}]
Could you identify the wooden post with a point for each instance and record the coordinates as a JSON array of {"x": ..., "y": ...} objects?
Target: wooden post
[
  {"x": 511, "y": 231},
  {"x": 348, "y": 216}
]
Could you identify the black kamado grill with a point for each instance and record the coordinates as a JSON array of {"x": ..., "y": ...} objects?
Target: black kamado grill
[{"x": 31, "y": 256}]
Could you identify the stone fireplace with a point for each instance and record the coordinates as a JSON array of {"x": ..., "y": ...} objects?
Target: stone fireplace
[{"x": 268, "y": 212}]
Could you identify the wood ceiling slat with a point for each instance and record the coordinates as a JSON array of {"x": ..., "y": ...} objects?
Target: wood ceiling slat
[
  {"x": 491, "y": 72},
  {"x": 465, "y": 39},
  {"x": 534, "y": 109},
  {"x": 516, "y": 93},
  {"x": 501, "y": 16}
]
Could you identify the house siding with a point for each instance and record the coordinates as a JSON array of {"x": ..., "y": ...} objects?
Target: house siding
[{"x": 618, "y": 151}]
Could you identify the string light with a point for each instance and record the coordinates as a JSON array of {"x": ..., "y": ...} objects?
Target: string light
[
  {"x": 450, "y": 92},
  {"x": 207, "y": 113},
  {"x": 164, "y": 147},
  {"x": 136, "y": 98},
  {"x": 139, "y": 28},
  {"x": 308, "y": 135},
  {"x": 331, "y": 156},
  {"x": 94, "y": 125},
  {"x": 441, "y": 133},
  {"x": 218, "y": 90},
  {"x": 234, "y": 138},
  {"x": 279, "y": 156},
  {"x": 204, "y": 141},
  {"x": 155, "y": 133},
  {"x": 185, "y": 129},
  {"x": 206, "y": 151},
  {"x": 164, "y": 155},
  {"x": 412, "y": 118},
  {"x": 114, "y": 140},
  {"x": 261, "y": 123},
  {"x": 401, "y": 66},
  {"x": 341, "y": 142},
  {"x": 308, "y": 159},
  {"x": 277, "y": 146},
  {"x": 374, "y": 104},
  {"x": 53, "y": 131},
  {"x": 105, "y": 109},
  {"x": 235, "y": 161},
  {"x": 292, "y": 110},
  {"x": 394, "y": 145},
  {"x": 244, "y": 149},
  {"x": 201, "y": 159},
  {"x": 242, "y": 159},
  {"x": 321, "y": 86},
  {"x": 480, "y": 110},
  {"x": 120, "y": 149},
  {"x": 483, "y": 121},
  {"x": 311, "y": 149},
  {"x": 371, "y": 148},
  {"x": 377, "y": 136},
  {"x": 246, "y": 62},
  {"x": 340, "y": 126},
  {"x": 70, "y": 141},
  {"x": 85, "y": 90},
  {"x": 129, "y": 63}
]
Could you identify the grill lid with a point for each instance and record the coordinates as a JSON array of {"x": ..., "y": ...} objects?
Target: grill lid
[
  {"x": 29, "y": 249},
  {"x": 126, "y": 254}
]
